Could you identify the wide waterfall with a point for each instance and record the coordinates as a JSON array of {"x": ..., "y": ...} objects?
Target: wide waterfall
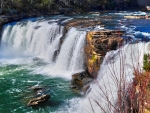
[
  {"x": 43, "y": 39},
  {"x": 40, "y": 53},
  {"x": 35, "y": 38}
]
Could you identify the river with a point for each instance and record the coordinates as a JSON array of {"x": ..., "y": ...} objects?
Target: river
[{"x": 31, "y": 55}]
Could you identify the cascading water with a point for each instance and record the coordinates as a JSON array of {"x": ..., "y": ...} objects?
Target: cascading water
[
  {"x": 70, "y": 58},
  {"x": 29, "y": 50},
  {"x": 117, "y": 67},
  {"x": 35, "y": 38},
  {"x": 42, "y": 39}
]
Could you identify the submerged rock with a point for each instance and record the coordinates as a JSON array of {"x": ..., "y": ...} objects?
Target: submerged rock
[{"x": 39, "y": 100}]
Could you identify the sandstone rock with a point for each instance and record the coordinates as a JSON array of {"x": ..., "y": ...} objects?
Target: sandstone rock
[
  {"x": 98, "y": 43},
  {"x": 38, "y": 100}
]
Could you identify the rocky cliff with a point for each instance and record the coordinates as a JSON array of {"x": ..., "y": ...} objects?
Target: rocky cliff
[{"x": 98, "y": 43}]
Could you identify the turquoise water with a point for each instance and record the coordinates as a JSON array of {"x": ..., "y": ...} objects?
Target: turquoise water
[{"x": 15, "y": 82}]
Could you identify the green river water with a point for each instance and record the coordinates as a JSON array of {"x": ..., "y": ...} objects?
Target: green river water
[{"x": 15, "y": 92}]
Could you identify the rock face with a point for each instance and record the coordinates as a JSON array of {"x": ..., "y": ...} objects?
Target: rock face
[{"x": 98, "y": 43}]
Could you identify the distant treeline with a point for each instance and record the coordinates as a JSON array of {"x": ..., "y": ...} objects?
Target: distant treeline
[{"x": 64, "y": 6}]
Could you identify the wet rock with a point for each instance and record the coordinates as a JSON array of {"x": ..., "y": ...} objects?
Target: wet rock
[
  {"x": 81, "y": 81},
  {"x": 38, "y": 100}
]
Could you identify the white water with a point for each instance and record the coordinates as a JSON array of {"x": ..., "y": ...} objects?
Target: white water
[
  {"x": 21, "y": 42},
  {"x": 70, "y": 59},
  {"x": 27, "y": 40},
  {"x": 120, "y": 62},
  {"x": 42, "y": 39}
]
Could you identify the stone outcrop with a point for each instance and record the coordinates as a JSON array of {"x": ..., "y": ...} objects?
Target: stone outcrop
[{"x": 98, "y": 43}]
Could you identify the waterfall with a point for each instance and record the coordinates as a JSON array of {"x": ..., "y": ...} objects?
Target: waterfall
[
  {"x": 36, "y": 38},
  {"x": 117, "y": 65},
  {"x": 71, "y": 53},
  {"x": 71, "y": 56},
  {"x": 43, "y": 39}
]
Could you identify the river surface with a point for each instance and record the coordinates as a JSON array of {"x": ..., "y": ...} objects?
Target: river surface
[{"x": 31, "y": 55}]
